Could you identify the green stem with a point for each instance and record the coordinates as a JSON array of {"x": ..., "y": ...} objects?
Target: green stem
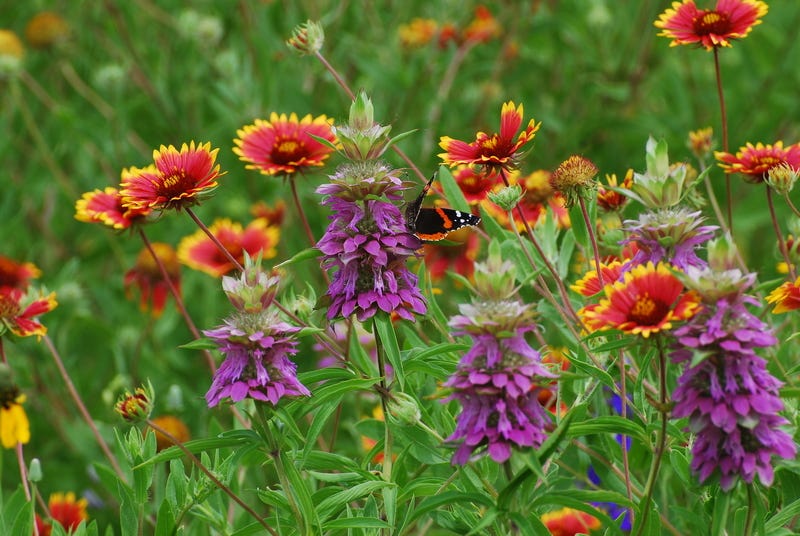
[
  {"x": 661, "y": 441},
  {"x": 777, "y": 227},
  {"x": 215, "y": 240},
  {"x": 82, "y": 409},
  {"x": 592, "y": 239},
  {"x": 228, "y": 491},
  {"x": 724, "y": 121},
  {"x": 750, "y": 519}
]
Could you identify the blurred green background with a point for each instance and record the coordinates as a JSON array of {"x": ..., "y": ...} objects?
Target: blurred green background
[{"x": 126, "y": 77}]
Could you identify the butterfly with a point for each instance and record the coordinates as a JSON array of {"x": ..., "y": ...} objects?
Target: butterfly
[{"x": 433, "y": 224}]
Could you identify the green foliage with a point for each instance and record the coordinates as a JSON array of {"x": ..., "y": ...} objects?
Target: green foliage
[{"x": 132, "y": 76}]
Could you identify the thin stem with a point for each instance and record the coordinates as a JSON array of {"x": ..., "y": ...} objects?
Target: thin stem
[
  {"x": 178, "y": 299},
  {"x": 592, "y": 239},
  {"x": 384, "y": 392},
  {"x": 236, "y": 264},
  {"x": 624, "y": 414},
  {"x": 724, "y": 120},
  {"x": 211, "y": 477},
  {"x": 301, "y": 212},
  {"x": 23, "y": 471},
  {"x": 82, "y": 409},
  {"x": 777, "y": 227},
  {"x": 791, "y": 205},
  {"x": 661, "y": 441}
]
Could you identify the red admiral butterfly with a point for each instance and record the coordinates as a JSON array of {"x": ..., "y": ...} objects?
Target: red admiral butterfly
[{"x": 433, "y": 224}]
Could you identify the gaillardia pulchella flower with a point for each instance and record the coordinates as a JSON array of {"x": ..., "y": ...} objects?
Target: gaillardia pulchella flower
[
  {"x": 685, "y": 24},
  {"x": 18, "y": 312},
  {"x": 198, "y": 252},
  {"x": 497, "y": 382},
  {"x": 755, "y": 161},
  {"x": 17, "y": 274},
  {"x": 786, "y": 297},
  {"x": 146, "y": 276},
  {"x": 648, "y": 299},
  {"x": 177, "y": 178},
  {"x": 66, "y": 510},
  {"x": 495, "y": 151},
  {"x": 574, "y": 178},
  {"x": 731, "y": 400},
  {"x": 284, "y": 145},
  {"x": 106, "y": 207}
]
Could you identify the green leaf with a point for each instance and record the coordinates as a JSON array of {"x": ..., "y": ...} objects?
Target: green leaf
[
  {"x": 304, "y": 255},
  {"x": 384, "y": 330},
  {"x": 332, "y": 505},
  {"x": 608, "y": 424},
  {"x": 200, "y": 344},
  {"x": 452, "y": 192},
  {"x": 232, "y": 439},
  {"x": 298, "y": 487}
]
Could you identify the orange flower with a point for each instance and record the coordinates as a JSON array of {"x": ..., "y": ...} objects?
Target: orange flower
[
  {"x": 648, "y": 300},
  {"x": 67, "y": 511},
  {"x": 147, "y": 276},
  {"x": 701, "y": 141},
  {"x": 272, "y": 215},
  {"x": 610, "y": 200},
  {"x": 496, "y": 151},
  {"x": 484, "y": 27},
  {"x": 475, "y": 185},
  {"x": 178, "y": 178},
  {"x": 172, "y": 425},
  {"x": 710, "y": 28},
  {"x": 46, "y": 29},
  {"x": 198, "y": 252},
  {"x": 569, "y": 522},
  {"x": 284, "y": 145},
  {"x": 19, "y": 321},
  {"x": 589, "y": 284},
  {"x": 459, "y": 258},
  {"x": 786, "y": 297},
  {"x": 755, "y": 161},
  {"x": 419, "y": 32},
  {"x": 106, "y": 207},
  {"x": 17, "y": 275}
]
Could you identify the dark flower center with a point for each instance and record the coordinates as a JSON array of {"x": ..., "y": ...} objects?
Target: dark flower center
[
  {"x": 175, "y": 184},
  {"x": 8, "y": 396},
  {"x": 9, "y": 308},
  {"x": 750, "y": 442},
  {"x": 647, "y": 311},
  {"x": 496, "y": 147},
  {"x": 288, "y": 151},
  {"x": 712, "y": 22}
]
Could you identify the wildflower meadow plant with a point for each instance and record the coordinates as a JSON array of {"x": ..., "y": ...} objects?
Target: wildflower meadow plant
[{"x": 308, "y": 323}]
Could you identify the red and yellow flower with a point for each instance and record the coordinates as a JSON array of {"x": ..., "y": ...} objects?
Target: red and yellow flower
[
  {"x": 460, "y": 258},
  {"x": 610, "y": 200},
  {"x": 284, "y": 145},
  {"x": 754, "y": 161},
  {"x": 569, "y": 522},
  {"x": 147, "y": 277},
  {"x": 64, "y": 510},
  {"x": 178, "y": 178},
  {"x": 786, "y": 297},
  {"x": 198, "y": 252},
  {"x": 475, "y": 184},
  {"x": 495, "y": 151},
  {"x": 589, "y": 284},
  {"x": 20, "y": 319},
  {"x": 17, "y": 274},
  {"x": 271, "y": 214},
  {"x": 648, "y": 300},
  {"x": 417, "y": 33},
  {"x": 685, "y": 24},
  {"x": 106, "y": 207},
  {"x": 701, "y": 141},
  {"x": 483, "y": 27}
]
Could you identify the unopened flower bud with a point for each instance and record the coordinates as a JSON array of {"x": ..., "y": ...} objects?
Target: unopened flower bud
[
  {"x": 403, "y": 409},
  {"x": 781, "y": 178},
  {"x": 361, "y": 138},
  {"x": 35, "y": 471},
  {"x": 701, "y": 142},
  {"x": 307, "y": 38},
  {"x": 495, "y": 279},
  {"x": 136, "y": 406},
  {"x": 507, "y": 198}
]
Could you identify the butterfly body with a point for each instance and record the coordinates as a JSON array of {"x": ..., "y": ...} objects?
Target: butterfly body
[{"x": 434, "y": 224}]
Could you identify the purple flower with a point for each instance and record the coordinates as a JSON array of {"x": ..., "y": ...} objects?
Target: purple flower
[
  {"x": 257, "y": 347},
  {"x": 730, "y": 398},
  {"x": 496, "y": 382},
  {"x": 366, "y": 245},
  {"x": 670, "y": 235}
]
